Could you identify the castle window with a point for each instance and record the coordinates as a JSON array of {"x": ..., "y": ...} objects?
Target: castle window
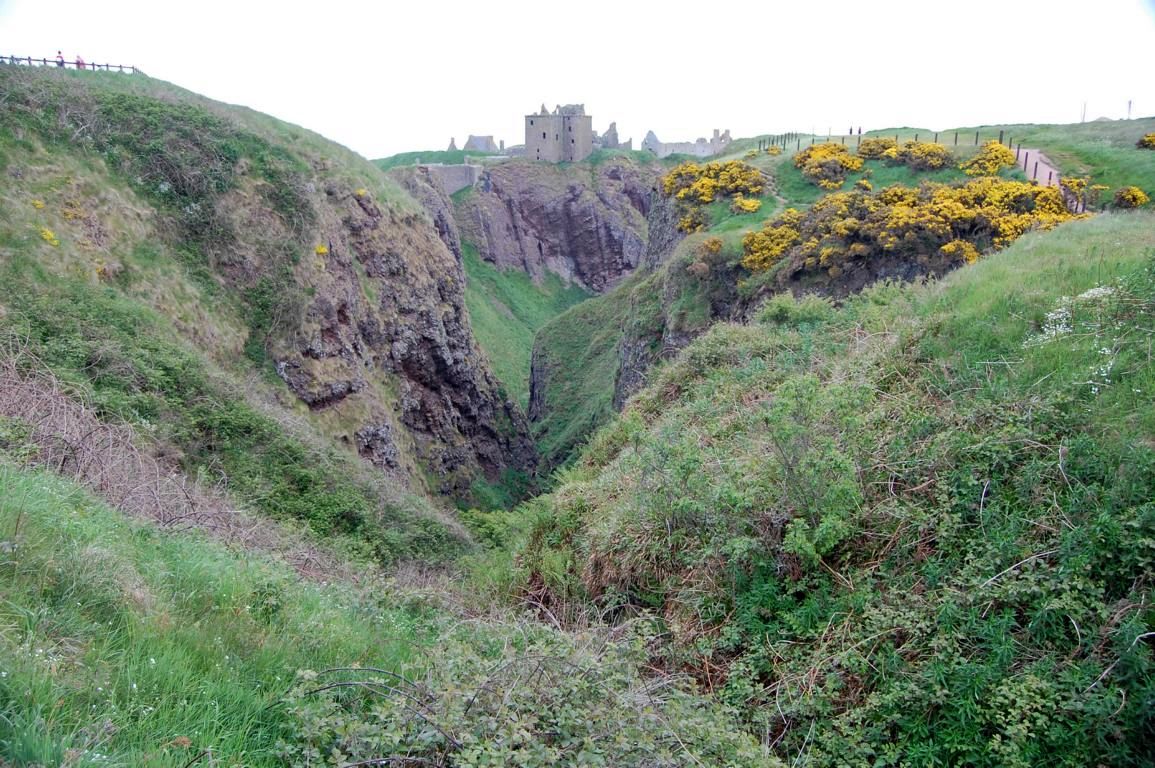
[
  {"x": 555, "y": 137},
  {"x": 571, "y": 129},
  {"x": 543, "y": 134},
  {"x": 571, "y": 141},
  {"x": 531, "y": 122}
]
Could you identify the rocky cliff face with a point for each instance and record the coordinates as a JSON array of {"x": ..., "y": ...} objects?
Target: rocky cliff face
[
  {"x": 585, "y": 223},
  {"x": 384, "y": 349},
  {"x": 424, "y": 188}
]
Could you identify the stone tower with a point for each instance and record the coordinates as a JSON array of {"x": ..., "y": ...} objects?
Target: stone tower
[{"x": 565, "y": 135}]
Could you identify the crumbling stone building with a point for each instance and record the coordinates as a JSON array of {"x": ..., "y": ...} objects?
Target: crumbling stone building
[{"x": 565, "y": 135}]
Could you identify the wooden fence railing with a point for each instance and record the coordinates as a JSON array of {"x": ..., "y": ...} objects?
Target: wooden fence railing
[{"x": 31, "y": 61}]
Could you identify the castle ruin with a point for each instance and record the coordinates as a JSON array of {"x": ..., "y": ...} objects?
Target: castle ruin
[
  {"x": 565, "y": 135},
  {"x": 700, "y": 148}
]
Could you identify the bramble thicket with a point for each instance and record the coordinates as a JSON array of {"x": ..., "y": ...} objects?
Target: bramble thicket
[{"x": 1146, "y": 142}]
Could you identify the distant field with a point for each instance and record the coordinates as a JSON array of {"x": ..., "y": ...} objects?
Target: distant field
[{"x": 442, "y": 156}]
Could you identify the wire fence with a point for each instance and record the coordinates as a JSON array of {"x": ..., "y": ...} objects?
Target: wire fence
[
  {"x": 1033, "y": 166},
  {"x": 78, "y": 63}
]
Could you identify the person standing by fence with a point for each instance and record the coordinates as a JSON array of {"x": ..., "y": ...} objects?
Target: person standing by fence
[
  {"x": 59, "y": 59},
  {"x": 79, "y": 61}
]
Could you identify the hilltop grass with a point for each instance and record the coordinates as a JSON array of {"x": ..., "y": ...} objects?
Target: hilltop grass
[
  {"x": 434, "y": 156},
  {"x": 801, "y": 193},
  {"x": 506, "y": 309},
  {"x": 917, "y": 526},
  {"x": 121, "y": 645},
  {"x": 1104, "y": 150}
]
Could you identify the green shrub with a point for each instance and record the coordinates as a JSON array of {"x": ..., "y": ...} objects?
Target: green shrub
[
  {"x": 785, "y": 309},
  {"x": 546, "y": 700}
]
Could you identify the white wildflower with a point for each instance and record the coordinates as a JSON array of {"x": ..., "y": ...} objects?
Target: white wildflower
[{"x": 1096, "y": 293}]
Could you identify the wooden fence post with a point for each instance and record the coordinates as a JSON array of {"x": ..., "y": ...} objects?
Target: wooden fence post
[
  {"x": 976, "y": 138},
  {"x": 956, "y": 138},
  {"x": 1000, "y": 137},
  {"x": 1035, "y": 175}
]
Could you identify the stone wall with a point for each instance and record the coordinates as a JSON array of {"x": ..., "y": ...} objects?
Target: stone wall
[
  {"x": 700, "y": 148},
  {"x": 455, "y": 177},
  {"x": 566, "y": 135}
]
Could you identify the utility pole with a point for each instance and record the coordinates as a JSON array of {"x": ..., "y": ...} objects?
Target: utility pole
[
  {"x": 1128, "y": 109},
  {"x": 1083, "y": 119}
]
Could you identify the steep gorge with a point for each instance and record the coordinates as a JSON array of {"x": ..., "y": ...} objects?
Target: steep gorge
[{"x": 275, "y": 254}]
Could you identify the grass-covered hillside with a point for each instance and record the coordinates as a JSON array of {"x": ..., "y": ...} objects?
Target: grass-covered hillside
[
  {"x": 507, "y": 308},
  {"x": 123, "y": 645},
  {"x": 706, "y": 279},
  {"x": 915, "y": 529},
  {"x": 439, "y": 156},
  {"x": 228, "y": 286}
]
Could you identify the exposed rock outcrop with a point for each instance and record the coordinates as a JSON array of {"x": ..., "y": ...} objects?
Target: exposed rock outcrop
[
  {"x": 386, "y": 340},
  {"x": 586, "y": 224},
  {"x": 425, "y": 189}
]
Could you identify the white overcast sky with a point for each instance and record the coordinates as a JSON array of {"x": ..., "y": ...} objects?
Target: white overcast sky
[{"x": 385, "y": 77}]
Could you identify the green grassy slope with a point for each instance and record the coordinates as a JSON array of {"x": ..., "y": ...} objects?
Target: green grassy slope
[
  {"x": 1104, "y": 150},
  {"x": 122, "y": 273},
  {"x": 443, "y": 156},
  {"x": 913, "y": 530},
  {"x": 579, "y": 351},
  {"x": 121, "y": 645},
  {"x": 506, "y": 308}
]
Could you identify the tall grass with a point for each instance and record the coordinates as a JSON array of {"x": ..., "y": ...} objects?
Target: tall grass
[{"x": 120, "y": 645}]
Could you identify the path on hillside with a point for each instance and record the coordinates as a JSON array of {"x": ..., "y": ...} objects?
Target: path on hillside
[{"x": 1045, "y": 172}]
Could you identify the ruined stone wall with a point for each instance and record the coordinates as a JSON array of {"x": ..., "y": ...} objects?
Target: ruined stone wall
[
  {"x": 700, "y": 148},
  {"x": 543, "y": 137},
  {"x": 577, "y": 137},
  {"x": 455, "y": 177}
]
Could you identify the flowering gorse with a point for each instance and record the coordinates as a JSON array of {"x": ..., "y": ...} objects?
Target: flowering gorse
[
  {"x": 991, "y": 159},
  {"x": 1130, "y": 197},
  {"x": 694, "y": 185},
  {"x": 958, "y": 222},
  {"x": 827, "y": 164}
]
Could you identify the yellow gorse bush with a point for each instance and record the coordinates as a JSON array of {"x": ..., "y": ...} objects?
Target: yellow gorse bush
[
  {"x": 872, "y": 147},
  {"x": 696, "y": 184},
  {"x": 321, "y": 250},
  {"x": 1146, "y": 142},
  {"x": 961, "y": 250},
  {"x": 958, "y": 222},
  {"x": 742, "y": 204},
  {"x": 920, "y": 155},
  {"x": 1130, "y": 197},
  {"x": 774, "y": 150},
  {"x": 827, "y": 164},
  {"x": 48, "y": 236},
  {"x": 765, "y": 247},
  {"x": 991, "y": 159}
]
